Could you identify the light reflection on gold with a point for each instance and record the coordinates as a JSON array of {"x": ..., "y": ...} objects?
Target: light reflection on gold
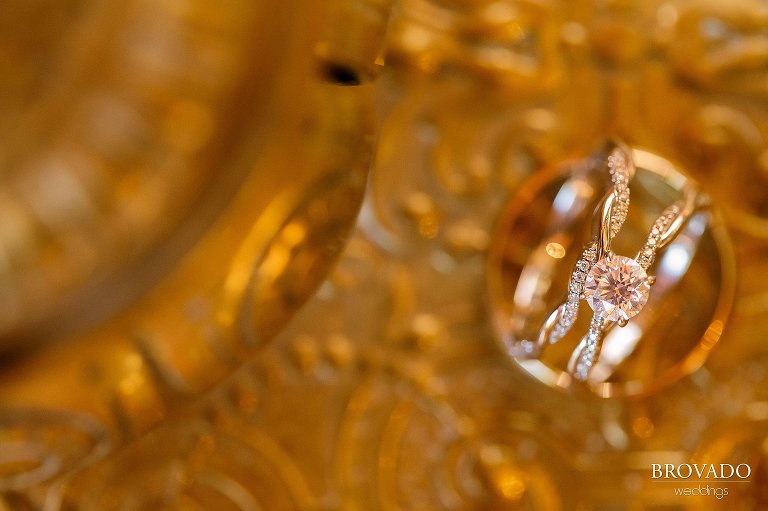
[
  {"x": 642, "y": 426},
  {"x": 422, "y": 209},
  {"x": 507, "y": 479},
  {"x": 511, "y": 486},
  {"x": 555, "y": 250}
]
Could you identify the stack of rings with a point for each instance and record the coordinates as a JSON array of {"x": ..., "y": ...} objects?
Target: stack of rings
[{"x": 616, "y": 287}]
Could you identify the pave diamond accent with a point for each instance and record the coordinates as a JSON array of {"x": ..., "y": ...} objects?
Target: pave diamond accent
[
  {"x": 620, "y": 169},
  {"x": 616, "y": 288},
  {"x": 647, "y": 253},
  {"x": 568, "y": 312},
  {"x": 591, "y": 347}
]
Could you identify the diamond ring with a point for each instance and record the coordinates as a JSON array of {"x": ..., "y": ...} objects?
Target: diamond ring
[
  {"x": 615, "y": 287},
  {"x": 567, "y": 244}
]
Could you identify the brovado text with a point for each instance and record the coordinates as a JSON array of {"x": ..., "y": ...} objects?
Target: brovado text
[{"x": 705, "y": 471}]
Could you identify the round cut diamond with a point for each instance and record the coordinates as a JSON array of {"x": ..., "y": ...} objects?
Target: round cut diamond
[{"x": 616, "y": 288}]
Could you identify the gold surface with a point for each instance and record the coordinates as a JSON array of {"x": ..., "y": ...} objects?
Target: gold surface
[{"x": 178, "y": 177}]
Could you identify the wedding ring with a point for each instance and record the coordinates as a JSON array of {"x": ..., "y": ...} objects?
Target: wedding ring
[
  {"x": 616, "y": 159},
  {"x": 612, "y": 214},
  {"x": 527, "y": 268},
  {"x": 617, "y": 287}
]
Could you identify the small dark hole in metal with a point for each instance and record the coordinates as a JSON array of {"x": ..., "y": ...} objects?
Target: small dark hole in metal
[{"x": 340, "y": 74}]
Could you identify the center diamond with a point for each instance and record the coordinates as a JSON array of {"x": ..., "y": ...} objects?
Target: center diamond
[{"x": 616, "y": 288}]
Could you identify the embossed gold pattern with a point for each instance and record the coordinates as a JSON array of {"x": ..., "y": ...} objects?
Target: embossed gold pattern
[{"x": 178, "y": 179}]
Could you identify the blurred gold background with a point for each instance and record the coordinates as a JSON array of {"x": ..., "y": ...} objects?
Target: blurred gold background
[{"x": 180, "y": 177}]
